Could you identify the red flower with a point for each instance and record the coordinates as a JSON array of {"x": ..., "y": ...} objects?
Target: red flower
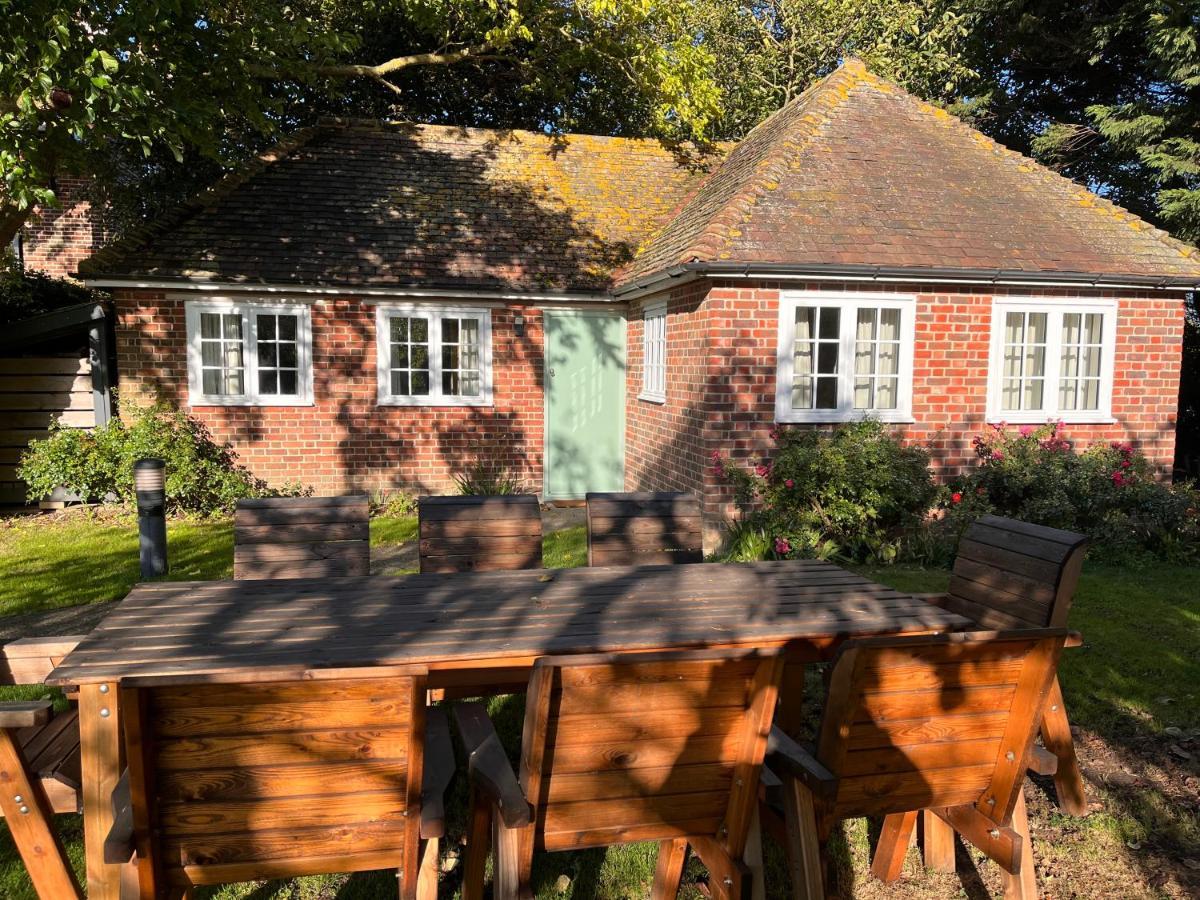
[
  {"x": 1127, "y": 449},
  {"x": 782, "y": 547},
  {"x": 997, "y": 456},
  {"x": 789, "y": 483},
  {"x": 956, "y": 497},
  {"x": 1126, "y": 463},
  {"x": 762, "y": 471},
  {"x": 1118, "y": 479},
  {"x": 715, "y": 456},
  {"x": 774, "y": 434}
]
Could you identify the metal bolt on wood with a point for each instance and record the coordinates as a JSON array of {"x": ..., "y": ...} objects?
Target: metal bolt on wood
[
  {"x": 104, "y": 688},
  {"x": 1010, "y": 756},
  {"x": 104, "y": 713},
  {"x": 24, "y": 810},
  {"x": 995, "y": 832}
]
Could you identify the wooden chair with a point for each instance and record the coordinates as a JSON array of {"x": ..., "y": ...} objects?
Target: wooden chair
[
  {"x": 480, "y": 534},
  {"x": 1011, "y": 574},
  {"x": 660, "y": 747},
  {"x": 943, "y": 725},
  {"x": 39, "y": 765},
  {"x": 644, "y": 529},
  {"x": 237, "y": 782},
  {"x": 302, "y": 537}
]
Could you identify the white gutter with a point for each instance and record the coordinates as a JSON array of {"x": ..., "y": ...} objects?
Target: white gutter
[{"x": 223, "y": 287}]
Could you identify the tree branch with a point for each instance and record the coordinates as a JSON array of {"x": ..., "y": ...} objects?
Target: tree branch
[{"x": 383, "y": 69}]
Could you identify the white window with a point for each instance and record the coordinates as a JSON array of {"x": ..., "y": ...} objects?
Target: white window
[
  {"x": 248, "y": 354},
  {"x": 1051, "y": 359},
  {"x": 654, "y": 353},
  {"x": 844, "y": 357},
  {"x": 434, "y": 356}
]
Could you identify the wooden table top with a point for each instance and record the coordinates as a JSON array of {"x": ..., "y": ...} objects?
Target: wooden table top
[{"x": 220, "y": 629}]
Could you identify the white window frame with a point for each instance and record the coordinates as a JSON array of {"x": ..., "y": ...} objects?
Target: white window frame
[
  {"x": 249, "y": 310},
  {"x": 435, "y": 313},
  {"x": 1055, "y": 307},
  {"x": 654, "y": 352},
  {"x": 849, "y": 304}
]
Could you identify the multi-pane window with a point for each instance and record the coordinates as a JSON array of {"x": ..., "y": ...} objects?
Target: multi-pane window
[
  {"x": 844, "y": 357},
  {"x": 434, "y": 357},
  {"x": 248, "y": 354},
  {"x": 654, "y": 353},
  {"x": 1051, "y": 360}
]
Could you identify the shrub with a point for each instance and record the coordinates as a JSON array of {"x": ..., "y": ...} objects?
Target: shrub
[
  {"x": 25, "y": 294},
  {"x": 392, "y": 504},
  {"x": 1108, "y": 492},
  {"x": 852, "y": 494},
  {"x": 488, "y": 480},
  {"x": 201, "y": 475}
]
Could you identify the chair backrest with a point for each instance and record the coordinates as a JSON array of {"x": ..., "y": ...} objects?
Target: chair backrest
[
  {"x": 236, "y": 782},
  {"x": 936, "y": 720},
  {"x": 646, "y": 747},
  {"x": 1011, "y": 574},
  {"x": 31, "y": 660},
  {"x": 466, "y": 534},
  {"x": 644, "y": 529},
  {"x": 302, "y": 537}
]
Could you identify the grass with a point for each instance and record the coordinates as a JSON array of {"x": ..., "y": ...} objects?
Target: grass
[{"x": 1132, "y": 688}]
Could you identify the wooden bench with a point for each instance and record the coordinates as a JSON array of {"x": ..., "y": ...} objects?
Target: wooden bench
[
  {"x": 481, "y": 534},
  {"x": 231, "y": 782},
  {"x": 39, "y": 764},
  {"x": 941, "y": 725},
  {"x": 644, "y": 529},
  {"x": 660, "y": 747},
  {"x": 301, "y": 537},
  {"x": 1010, "y": 574}
]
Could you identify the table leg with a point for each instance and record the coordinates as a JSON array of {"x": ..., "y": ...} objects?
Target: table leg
[
  {"x": 100, "y": 757},
  {"x": 790, "y": 715}
]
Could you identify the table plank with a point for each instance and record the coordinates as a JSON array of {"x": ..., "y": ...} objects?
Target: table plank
[{"x": 449, "y": 621}]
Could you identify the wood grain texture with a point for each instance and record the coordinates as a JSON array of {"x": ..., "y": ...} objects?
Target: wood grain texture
[
  {"x": 479, "y": 534},
  {"x": 301, "y": 537},
  {"x": 631, "y": 529},
  {"x": 458, "y": 621}
]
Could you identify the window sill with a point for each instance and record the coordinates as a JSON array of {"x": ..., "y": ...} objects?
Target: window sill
[
  {"x": 242, "y": 401},
  {"x": 660, "y": 399},
  {"x": 434, "y": 401},
  {"x": 825, "y": 417},
  {"x": 1043, "y": 419}
]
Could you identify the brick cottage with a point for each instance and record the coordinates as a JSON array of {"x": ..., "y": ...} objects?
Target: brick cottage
[{"x": 389, "y": 305}]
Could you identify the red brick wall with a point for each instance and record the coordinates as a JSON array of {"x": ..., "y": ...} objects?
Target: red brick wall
[
  {"x": 950, "y": 375},
  {"x": 345, "y": 441},
  {"x": 56, "y": 238},
  {"x": 664, "y": 442}
]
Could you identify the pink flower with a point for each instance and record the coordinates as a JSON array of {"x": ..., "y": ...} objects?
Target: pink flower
[
  {"x": 1127, "y": 449},
  {"x": 1118, "y": 479},
  {"x": 1026, "y": 430},
  {"x": 789, "y": 483},
  {"x": 774, "y": 433},
  {"x": 782, "y": 547},
  {"x": 762, "y": 471},
  {"x": 1126, "y": 463},
  {"x": 997, "y": 456},
  {"x": 715, "y": 456},
  {"x": 956, "y": 497}
]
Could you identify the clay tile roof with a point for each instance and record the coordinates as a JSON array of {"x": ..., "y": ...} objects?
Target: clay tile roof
[
  {"x": 858, "y": 172},
  {"x": 854, "y": 172},
  {"x": 386, "y": 204}
]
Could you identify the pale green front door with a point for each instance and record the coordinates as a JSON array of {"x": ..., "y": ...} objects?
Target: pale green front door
[{"x": 585, "y": 403}]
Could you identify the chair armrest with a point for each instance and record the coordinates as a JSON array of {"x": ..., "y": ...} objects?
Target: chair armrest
[
  {"x": 25, "y": 713},
  {"x": 786, "y": 757},
  {"x": 488, "y": 764},
  {"x": 436, "y": 773},
  {"x": 1074, "y": 639},
  {"x": 118, "y": 844}
]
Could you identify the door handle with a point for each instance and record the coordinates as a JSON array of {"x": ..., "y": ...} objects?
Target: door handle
[{"x": 551, "y": 372}]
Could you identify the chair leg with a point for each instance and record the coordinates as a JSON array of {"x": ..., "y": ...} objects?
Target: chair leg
[
  {"x": 479, "y": 845},
  {"x": 427, "y": 875},
  {"x": 1056, "y": 735},
  {"x": 893, "y": 844},
  {"x": 28, "y": 814},
  {"x": 753, "y": 857},
  {"x": 806, "y": 862},
  {"x": 1023, "y": 884},
  {"x": 507, "y": 880},
  {"x": 937, "y": 842},
  {"x": 672, "y": 854}
]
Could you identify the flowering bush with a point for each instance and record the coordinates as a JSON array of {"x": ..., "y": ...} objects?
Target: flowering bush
[
  {"x": 852, "y": 493},
  {"x": 1107, "y": 492}
]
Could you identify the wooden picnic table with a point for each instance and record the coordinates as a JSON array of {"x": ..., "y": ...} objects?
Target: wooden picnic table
[{"x": 471, "y": 630}]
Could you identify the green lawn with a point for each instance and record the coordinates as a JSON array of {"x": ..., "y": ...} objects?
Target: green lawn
[{"x": 1134, "y": 689}]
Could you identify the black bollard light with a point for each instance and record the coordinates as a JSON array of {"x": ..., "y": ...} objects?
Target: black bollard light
[{"x": 149, "y": 483}]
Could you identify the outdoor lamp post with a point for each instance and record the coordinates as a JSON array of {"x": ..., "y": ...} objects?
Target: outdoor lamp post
[{"x": 149, "y": 483}]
